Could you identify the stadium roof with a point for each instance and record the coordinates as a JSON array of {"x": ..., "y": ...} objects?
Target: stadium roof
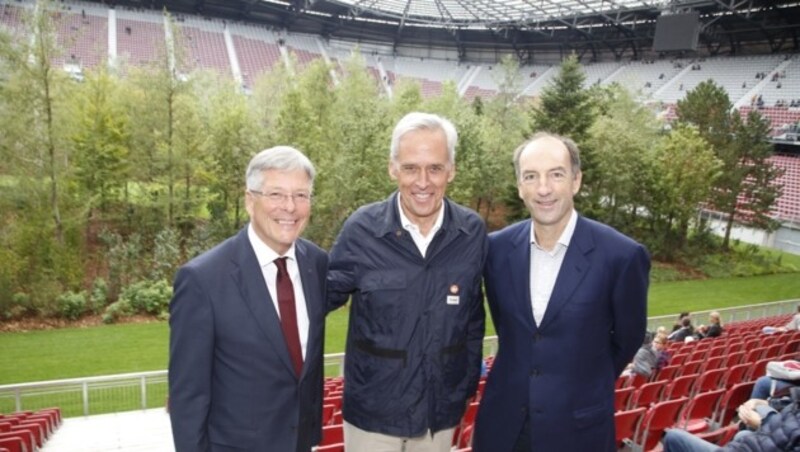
[
  {"x": 492, "y": 12},
  {"x": 600, "y": 28}
]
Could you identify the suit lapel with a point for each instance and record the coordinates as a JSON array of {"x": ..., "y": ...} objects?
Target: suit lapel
[
  {"x": 248, "y": 277},
  {"x": 308, "y": 277},
  {"x": 573, "y": 270},
  {"x": 519, "y": 261}
]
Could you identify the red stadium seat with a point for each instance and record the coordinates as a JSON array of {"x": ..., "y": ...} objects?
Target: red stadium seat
[
  {"x": 690, "y": 367},
  {"x": 658, "y": 418},
  {"x": 708, "y": 380},
  {"x": 699, "y": 413},
  {"x": 648, "y": 394},
  {"x": 626, "y": 423},
  {"x": 667, "y": 372},
  {"x": 758, "y": 369},
  {"x": 732, "y": 359},
  {"x": 26, "y": 438},
  {"x": 730, "y": 402},
  {"x": 734, "y": 375},
  {"x": 332, "y": 434},
  {"x": 622, "y": 398},
  {"x": 680, "y": 387}
]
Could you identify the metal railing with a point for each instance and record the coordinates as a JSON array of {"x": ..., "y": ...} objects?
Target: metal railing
[
  {"x": 729, "y": 315},
  {"x": 144, "y": 390}
]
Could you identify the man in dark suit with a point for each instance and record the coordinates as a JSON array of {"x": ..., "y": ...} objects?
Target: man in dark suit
[
  {"x": 247, "y": 324},
  {"x": 568, "y": 297}
]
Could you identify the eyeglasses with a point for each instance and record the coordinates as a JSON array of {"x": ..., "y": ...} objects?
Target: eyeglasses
[{"x": 277, "y": 197}]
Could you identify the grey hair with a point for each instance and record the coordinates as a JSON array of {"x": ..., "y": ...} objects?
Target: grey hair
[
  {"x": 280, "y": 158},
  {"x": 424, "y": 121},
  {"x": 572, "y": 148}
]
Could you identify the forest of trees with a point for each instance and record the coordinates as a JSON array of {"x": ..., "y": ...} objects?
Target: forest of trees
[{"x": 109, "y": 183}]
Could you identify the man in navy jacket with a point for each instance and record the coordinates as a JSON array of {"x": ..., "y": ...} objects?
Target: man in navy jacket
[
  {"x": 412, "y": 264},
  {"x": 568, "y": 298}
]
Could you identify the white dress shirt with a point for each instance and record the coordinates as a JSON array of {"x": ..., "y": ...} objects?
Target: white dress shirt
[
  {"x": 266, "y": 260},
  {"x": 420, "y": 240},
  {"x": 545, "y": 266}
]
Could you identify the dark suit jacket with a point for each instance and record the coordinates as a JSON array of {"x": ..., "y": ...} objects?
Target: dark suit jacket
[
  {"x": 231, "y": 381},
  {"x": 561, "y": 373}
]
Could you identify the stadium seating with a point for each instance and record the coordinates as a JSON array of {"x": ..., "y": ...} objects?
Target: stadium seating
[
  {"x": 626, "y": 423},
  {"x": 699, "y": 412},
  {"x": 658, "y": 418},
  {"x": 735, "y": 396},
  {"x": 648, "y": 394},
  {"x": 680, "y": 387},
  {"x": 622, "y": 398},
  {"x": 28, "y": 430}
]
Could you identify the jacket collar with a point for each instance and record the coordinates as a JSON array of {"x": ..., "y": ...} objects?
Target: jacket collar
[{"x": 389, "y": 217}]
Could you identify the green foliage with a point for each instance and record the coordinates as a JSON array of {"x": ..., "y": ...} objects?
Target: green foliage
[
  {"x": 166, "y": 255},
  {"x": 72, "y": 305},
  {"x": 119, "y": 179},
  {"x": 566, "y": 108},
  {"x": 98, "y": 298},
  {"x": 123, "y": 256},
  {"x": 623, "y": 139},
  {"x": 117, "y": 310},
  {"x": 743, "y": 149},
  {"x": 683, "y": 173},
  {"x": 147, "y": 297}
]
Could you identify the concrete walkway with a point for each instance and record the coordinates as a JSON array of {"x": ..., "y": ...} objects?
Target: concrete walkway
[{"x": 128, "y": 431}]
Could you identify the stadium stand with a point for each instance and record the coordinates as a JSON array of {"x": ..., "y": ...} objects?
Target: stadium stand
[
  {"x": 28, "y": 430},
  {"x": 205, "y": 45}
]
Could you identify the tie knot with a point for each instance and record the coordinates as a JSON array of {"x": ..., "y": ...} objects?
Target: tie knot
[{"x": 281, "y": 263}]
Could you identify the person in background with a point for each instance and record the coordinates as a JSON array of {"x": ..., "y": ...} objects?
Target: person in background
[
  {"x": 679, "y": 324},
  {"x": 650, "y": 358},
  {"x": 411, "y": 267},
  {"x": 713, "y": 329},
  {"x": 247, "y": 324},
  {"x": 568, "y": 297},
  {"x": 686, "y": 331},
  {"x": 765, "y": 429},
  {"x": 793, "y": 324}
]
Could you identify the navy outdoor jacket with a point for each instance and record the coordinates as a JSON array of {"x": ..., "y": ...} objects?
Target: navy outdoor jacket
[{"x": 414, "y": 344}]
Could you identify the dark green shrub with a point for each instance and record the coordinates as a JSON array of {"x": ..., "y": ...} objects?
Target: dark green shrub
[
  {"x": 72, "y": 305},
  {"x": 118, "y": 309},
  {"x": 148, "y": 297}
]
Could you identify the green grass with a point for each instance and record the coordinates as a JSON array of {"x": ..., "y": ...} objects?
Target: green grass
[
  {"x": 114, "y": 349},
  {"x": 673, "y": 297}
]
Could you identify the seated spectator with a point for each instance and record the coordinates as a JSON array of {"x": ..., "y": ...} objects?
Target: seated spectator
[
  {"x": 713, "y": 329},
  {"x": 679, "y": 323},
  {"x": 766, "y": 429},
  {"x": 767, "y": 387},
  {"x": 686, "y": 331},
  {"x": 793, "y": 325},
  {"x": 651, "y": 357}
]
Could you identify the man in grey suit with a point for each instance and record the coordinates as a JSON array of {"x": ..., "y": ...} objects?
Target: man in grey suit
[{"x": 247, "y": 324}]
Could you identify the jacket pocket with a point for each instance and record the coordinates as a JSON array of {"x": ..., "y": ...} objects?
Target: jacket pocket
[
  {"x": 595, "y": 414},
  {"x": 383, "y": 280}
]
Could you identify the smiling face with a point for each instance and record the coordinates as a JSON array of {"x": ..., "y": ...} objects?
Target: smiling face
[
  {"x": 547, "y": 183},
  {"x": 422, "y": 170},
  {"x": 280, "y": 222}
]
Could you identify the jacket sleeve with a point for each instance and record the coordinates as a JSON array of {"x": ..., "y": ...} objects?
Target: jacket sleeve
[
  {"x": 477, "y": 322},
  {"x": 629, "y": 302},
  {"x": 341, "y": 270},
  {"x": 191, "y": 345}
]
